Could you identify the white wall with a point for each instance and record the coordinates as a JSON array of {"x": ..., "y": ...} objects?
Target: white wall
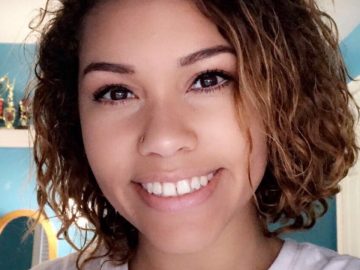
[
  {"x": 15, "y": 17},
  {"x": 346, "y": 14},
  {"x": 16, "y": 14},
  {"x": 348, "y": 200}
]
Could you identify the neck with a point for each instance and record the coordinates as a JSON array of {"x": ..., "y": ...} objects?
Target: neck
[{"x": 241, "y": 245}]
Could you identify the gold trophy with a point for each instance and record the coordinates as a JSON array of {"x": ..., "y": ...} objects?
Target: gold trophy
[
  {"x": 8, "y": 112},
  {"x": 24, "y": 113},
  {"x": 1, "y": 109},
  {"x": 3, "y": 80}
]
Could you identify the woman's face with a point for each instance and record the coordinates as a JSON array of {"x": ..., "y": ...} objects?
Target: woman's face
[{"x": 156, "y": 85}]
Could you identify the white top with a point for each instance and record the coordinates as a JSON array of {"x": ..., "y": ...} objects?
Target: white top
[
  {"x": 306, "y": 256},
  {"x": 292, "y": 256}
]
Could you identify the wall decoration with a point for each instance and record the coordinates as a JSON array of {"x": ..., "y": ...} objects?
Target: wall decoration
[
  {"x": 7, "y": 109},
  {"x": 24, "y": 113}
]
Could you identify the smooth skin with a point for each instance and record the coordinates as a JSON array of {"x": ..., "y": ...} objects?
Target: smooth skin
[{"x": 144, "y": 112}]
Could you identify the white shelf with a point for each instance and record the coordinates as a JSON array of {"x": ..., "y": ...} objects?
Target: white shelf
[{"x": 15, "y": 138}]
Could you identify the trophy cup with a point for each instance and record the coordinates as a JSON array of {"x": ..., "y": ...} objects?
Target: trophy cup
[
  {"x": 1, "y": 109},
  {"x": 24, "y": 113},
  {"x": 9, "y": 115},
  {"x": 9, "y": 111},
  {"x": 3, "y": 80}
]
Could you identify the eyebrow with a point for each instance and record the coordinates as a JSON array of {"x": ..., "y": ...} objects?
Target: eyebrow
[
  {"x": 110, "y": 67},
  {"x": 184, "y": 61},
  {"x": 205, "y": 53}
]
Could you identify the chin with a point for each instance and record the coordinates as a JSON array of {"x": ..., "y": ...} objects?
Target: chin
[{"x": 183, "y": 242}]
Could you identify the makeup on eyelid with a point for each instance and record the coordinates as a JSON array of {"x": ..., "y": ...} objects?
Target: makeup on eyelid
[{"x": 221, "y": 77}]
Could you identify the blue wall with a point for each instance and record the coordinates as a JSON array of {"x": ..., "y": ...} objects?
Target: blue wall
[
  {"x": 17, "y": 181},
  {"x": 16, "y": 60},
  {"x": 16, "y": 252},
  {"x": 350, "y": 48},
  {"x": 17, "y": 187}
]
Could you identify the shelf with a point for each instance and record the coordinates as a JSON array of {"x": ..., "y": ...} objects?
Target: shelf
[{"x": 15, "y": 138}]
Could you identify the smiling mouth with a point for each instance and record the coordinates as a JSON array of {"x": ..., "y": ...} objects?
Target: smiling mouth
[{"x": 179, "y": 188}]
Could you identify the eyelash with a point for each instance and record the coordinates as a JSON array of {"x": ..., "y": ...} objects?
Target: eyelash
[{"x": 226, "y": 79}]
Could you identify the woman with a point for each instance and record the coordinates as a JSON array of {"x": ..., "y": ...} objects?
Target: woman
[{"x": 181, "y": 129}]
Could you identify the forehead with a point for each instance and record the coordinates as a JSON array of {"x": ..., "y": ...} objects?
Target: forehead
[{"x": 138, "y": 29}]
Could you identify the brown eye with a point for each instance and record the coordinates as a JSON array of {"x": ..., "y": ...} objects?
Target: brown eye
[
  {"x": 113, "y": 92},
  {"x": 210, "y": 80}
]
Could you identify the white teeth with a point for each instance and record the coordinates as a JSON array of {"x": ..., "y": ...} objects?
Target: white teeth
[
  {"x": 169, "y": 189},
  {"x": 157, "y": 188},
  {"x": 149, "y": 187},
  {"x": 184, "y": 186},
  {"x": 195, "y": 183},
  {"x": 204, "y": 180}
]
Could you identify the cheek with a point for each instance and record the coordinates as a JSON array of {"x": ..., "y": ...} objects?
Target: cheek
[
  {"x": 258, "y": 157},
  {"x": 108, "y": 145},
  {"x": 222, "y": 135},
  {"x": 229, "y": 142}
]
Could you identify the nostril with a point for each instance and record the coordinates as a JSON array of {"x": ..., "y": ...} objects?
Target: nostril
[{"x": 142, "y": 138}]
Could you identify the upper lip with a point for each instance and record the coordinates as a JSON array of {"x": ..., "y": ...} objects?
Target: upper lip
[{"x": 172, "y": 176}]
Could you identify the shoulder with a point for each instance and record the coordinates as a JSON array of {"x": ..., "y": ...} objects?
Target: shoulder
[
  {"x": 69, "y": 263},
  {"x": 306, "y": 256}
]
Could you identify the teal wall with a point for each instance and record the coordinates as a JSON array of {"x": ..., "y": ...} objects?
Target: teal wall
[
  {"x": 17, "y": 181},
  {"x": 350, "y": 48},
  {"x": 323, "y": 233},
  {"x": 15, "y": 252},
  {"x": 17, "y": 188},
  {"x": 16, "y": 61}
]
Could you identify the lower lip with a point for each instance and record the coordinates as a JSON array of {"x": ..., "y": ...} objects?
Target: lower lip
[{"x": 179, "y": 202}]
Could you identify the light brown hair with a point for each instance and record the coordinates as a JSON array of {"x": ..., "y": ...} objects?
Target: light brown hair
[{"x": 289, "y": 67}]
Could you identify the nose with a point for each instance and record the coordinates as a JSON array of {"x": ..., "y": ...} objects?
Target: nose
[{"x": 166, "y": 133}]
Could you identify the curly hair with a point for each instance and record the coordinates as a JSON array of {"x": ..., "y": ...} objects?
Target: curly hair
[{"x": 289, "y": 67}]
